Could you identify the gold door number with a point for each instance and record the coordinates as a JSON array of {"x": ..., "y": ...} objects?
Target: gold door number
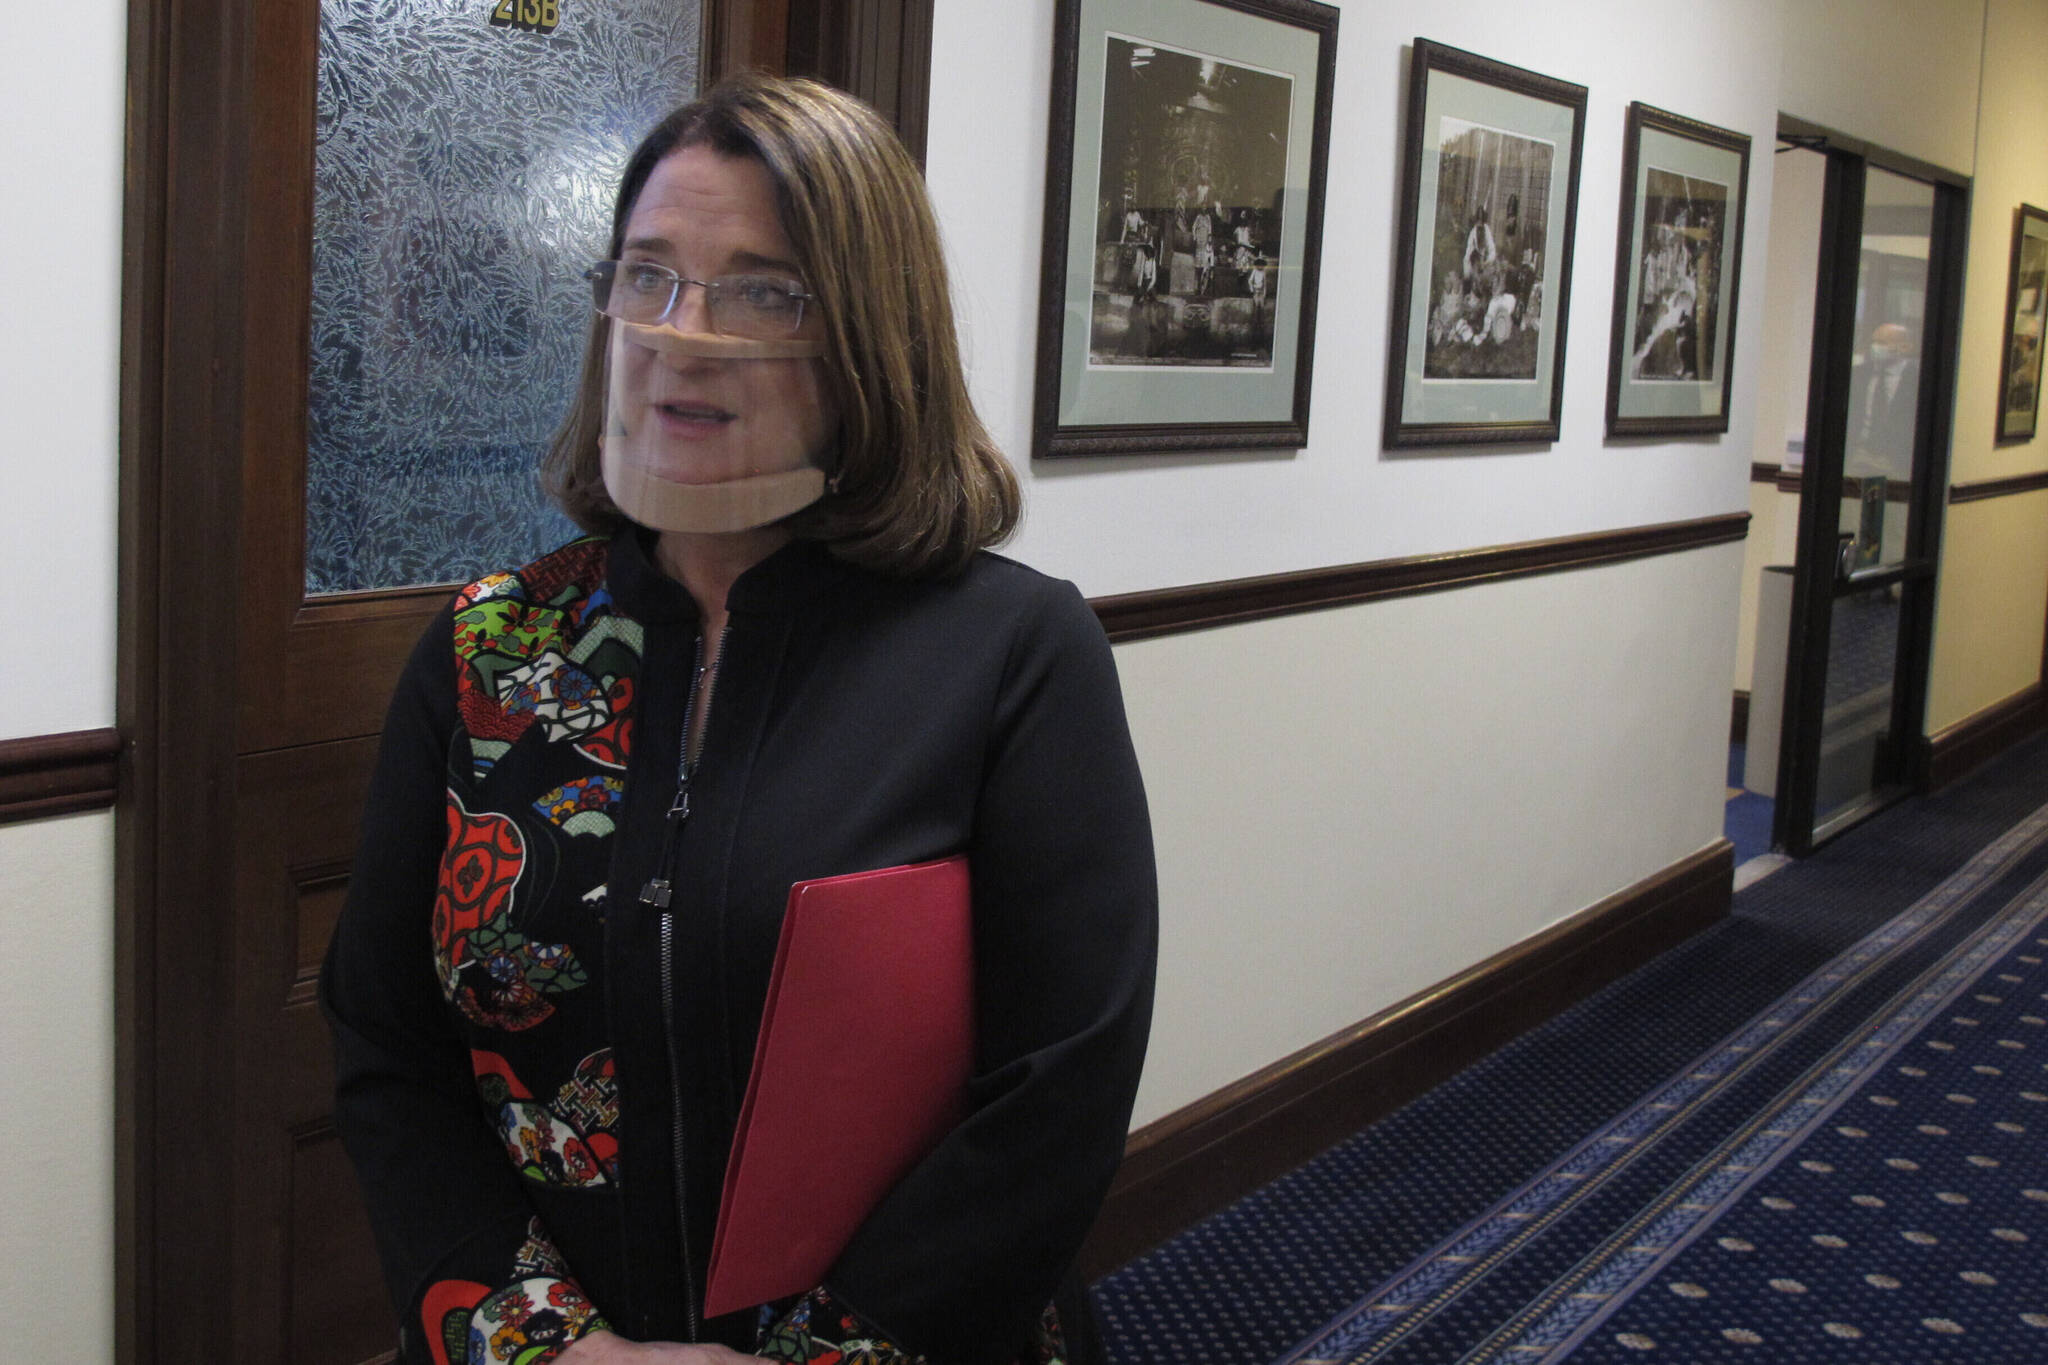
[{"x": 535, "y": 16}]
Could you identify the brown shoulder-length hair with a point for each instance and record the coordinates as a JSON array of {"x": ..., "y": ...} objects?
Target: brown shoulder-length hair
[{"x": 918, "y": 485}]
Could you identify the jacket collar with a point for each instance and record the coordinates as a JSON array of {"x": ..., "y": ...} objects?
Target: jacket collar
[{"x": 793, "y": 574}]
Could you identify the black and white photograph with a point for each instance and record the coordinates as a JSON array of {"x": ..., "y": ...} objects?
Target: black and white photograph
[
  {"x": 2026, "y": 320},
  {"x": 1678, "y": 278},
  {"x": 1492, "y": 212},
  {"x": 1482, "y": 277},
  {"x": 1678, "y": 259},
  {"x": 1185, "y": 164},
  {"x": 1190, "y": 208}
]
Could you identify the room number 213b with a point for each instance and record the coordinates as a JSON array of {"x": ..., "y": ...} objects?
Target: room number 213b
[{"x": 537, "y": 16}]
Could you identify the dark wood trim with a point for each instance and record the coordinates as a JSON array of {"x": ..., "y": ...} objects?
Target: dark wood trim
[
  {"x": 1997, "y": 488},
  {"x": 880, "y": 50},
  {"x": 186, "y": 410},
  {"x": 1974, "y": 740},
  {"x": 1821, "y": 138},
  {"x": 1764, "y": 473},
  {"x": 138, "y": 646},
  {"x": 1791, "y": 480},
  {"x": 739, "y": 35},
  {"x": 1190, "y": 1163},
  {"x": 1738, "y": 719},
  {"x": 1169, "y": 611},
  {"x": 46, "y": 775}
]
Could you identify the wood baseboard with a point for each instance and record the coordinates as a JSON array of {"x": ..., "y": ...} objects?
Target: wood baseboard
[
  {"x": 1973, "y": 740},
  {"x": 1194, "y": 1161}
]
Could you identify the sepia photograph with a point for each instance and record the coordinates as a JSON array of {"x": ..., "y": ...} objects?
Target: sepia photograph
[
  {"x": 1186, "y": 158},
  {"x": 2026, "y": 319},
  {"x": 1492, "y": 211},
  {"x": 1678, "y": 277},
  {"x": 1483, "y": 264},
  {"x": 1189, "y": 209},
  {"x": 1677, "y": 272}
]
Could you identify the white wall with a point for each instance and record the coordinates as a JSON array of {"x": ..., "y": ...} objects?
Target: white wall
[
  {"x": 1353, "y": 805},
  {"x": 1792, "y": 249},
  {"x": 60, "y": 272},
  {"x": 1430, "y": 780},
  {"x": 60, "y": 260},
  {"x": 57, "y": 1071}
]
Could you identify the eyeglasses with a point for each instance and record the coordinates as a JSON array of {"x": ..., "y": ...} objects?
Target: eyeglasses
[{"x": 761, "y": 307}]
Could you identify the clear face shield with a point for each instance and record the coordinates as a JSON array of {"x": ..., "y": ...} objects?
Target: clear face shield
[{"x": 717, "y": 414}]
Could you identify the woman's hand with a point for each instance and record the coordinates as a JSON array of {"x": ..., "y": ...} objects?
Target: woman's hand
[{"x": 608, "y": 1348}]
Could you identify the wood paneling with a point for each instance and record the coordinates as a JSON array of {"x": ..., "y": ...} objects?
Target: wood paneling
[
  {"x": 333, "y": 1260},
  {"x": 880, "y": 50},
  {"x": 1194, "y": 1161},
  {"x": 296, "y": 816},
  {"x": 1142, "y": 615},
  {"x": 47, "y": 775}
]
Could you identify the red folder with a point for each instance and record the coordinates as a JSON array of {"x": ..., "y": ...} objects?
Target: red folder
[{"x": 860, "y": 1068}]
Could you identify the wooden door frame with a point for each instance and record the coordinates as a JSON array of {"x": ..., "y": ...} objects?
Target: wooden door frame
[{"x": 212, "y": 388}]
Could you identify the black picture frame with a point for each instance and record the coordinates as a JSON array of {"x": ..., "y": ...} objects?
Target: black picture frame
[
  {"x": 1677, "y": 275},
  {"x": 1143, "y": 348},
  {"x": 1478, "y": 338},
  {"x": 2026, "y": 309}
]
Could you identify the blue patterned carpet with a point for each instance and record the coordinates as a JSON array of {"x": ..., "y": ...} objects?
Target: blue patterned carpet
[{"x": 1812, "y": 1133}]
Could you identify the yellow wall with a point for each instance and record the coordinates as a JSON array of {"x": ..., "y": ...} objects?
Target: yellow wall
[
  {"x": 1989, "y": 614},
  {"x": 1900, "y": 73},
  {"x": 1994, "y": 573}
]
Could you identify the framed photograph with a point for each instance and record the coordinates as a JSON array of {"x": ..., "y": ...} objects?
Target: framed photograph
[
  {"x": 1183, "y": 225},
  {"x": 2026, "y": 306},
  {"x": 1489, "y": 200},
  {"x": 1684, "y": 186}
]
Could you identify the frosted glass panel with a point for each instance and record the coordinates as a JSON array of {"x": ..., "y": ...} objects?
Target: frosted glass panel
[{"x": 463, "y": 174}]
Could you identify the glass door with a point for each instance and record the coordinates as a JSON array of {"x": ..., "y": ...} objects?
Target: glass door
[{"x": 1877, "y": 432}]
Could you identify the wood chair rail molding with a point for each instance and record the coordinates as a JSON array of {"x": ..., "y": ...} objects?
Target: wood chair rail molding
[
  {"x": 45, "y": 775},
  {"x": 1980, "y": 489},
  {"x": 1167, "y": 611},
  {"x": 1789, "y": 481}
]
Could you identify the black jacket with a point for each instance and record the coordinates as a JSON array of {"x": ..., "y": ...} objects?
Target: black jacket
[{"x": 494, "y": 984}]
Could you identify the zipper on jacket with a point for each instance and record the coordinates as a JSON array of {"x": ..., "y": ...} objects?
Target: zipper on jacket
[{"x": 656, "y": 895}]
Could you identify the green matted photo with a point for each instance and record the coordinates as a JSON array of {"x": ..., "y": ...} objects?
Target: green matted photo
[
  {"x": 2026, "y": 308},
  {"x": 1678, "y": 265},
  {"x": 1186, "y": 160},
  {"x": 1489, "y": 200}
]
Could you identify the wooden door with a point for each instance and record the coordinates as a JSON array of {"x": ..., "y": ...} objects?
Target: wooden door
[{"x": 251, "y": 706}]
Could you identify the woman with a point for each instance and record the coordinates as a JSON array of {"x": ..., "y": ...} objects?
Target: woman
[{"x": 783, "y": 654}]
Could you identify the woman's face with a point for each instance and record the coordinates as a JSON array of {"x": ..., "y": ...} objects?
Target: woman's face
[{"x": 695, "y": 419}]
